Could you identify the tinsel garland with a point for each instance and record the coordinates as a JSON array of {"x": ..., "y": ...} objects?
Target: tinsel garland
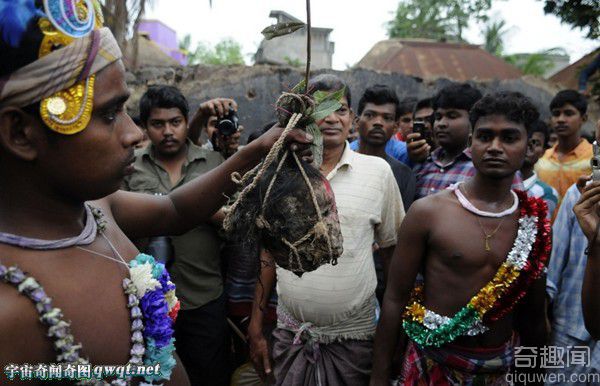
[
  {"x": 524, "y": 263},
  {"x": 535, "y": 264}
]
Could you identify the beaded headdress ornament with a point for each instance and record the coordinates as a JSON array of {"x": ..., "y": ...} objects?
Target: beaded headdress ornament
[{"x": 69, "y": 111}]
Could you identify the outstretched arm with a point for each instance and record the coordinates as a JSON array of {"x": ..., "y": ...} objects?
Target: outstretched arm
[
  {"x": 403, "y": 270},
  {"x": 143, "y": 215}
]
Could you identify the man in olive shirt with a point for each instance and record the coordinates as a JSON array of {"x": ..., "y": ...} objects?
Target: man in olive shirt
[{"x": 170, "y": 161}]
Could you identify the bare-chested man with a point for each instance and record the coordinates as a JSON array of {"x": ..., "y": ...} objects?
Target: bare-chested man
[
  {"x": 460, "y": 241},
  {"x": 66, "y": 143}
]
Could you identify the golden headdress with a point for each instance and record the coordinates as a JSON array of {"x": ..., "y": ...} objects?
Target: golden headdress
[{"x": 75, "y": 46}]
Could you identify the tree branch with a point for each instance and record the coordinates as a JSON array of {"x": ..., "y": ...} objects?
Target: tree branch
[{"x": 308, "y": 28}]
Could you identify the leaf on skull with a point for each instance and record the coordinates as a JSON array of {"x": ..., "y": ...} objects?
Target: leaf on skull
[
  {"x": 281, "y": 29},
  {"x": 321, "y": 96},
  {"x": 325, "y": 108},
  {"x": 317, "y": 144},
  {"x": 299, "y": 88}
]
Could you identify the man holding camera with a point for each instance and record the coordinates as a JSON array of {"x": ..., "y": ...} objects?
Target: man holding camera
[
  {"x": 216, "y": 126},
  {"x": 170, "y": 161}
]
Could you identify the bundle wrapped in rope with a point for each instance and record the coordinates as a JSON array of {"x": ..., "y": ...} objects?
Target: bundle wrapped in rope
[{"x": 286, "y": 205}]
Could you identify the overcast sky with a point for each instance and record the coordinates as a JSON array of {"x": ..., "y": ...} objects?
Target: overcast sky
[{"x": 357, "y": 25}]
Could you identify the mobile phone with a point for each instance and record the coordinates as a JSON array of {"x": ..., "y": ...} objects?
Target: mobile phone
[
  {"x": 419, "y": 127},
  {"x": 595, "y": 162}
]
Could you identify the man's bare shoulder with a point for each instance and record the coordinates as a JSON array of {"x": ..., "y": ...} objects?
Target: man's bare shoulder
[{"x": 433, "y": 204}]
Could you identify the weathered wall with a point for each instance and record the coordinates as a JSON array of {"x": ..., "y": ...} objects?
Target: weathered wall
[{"x": 256, "y": 88}]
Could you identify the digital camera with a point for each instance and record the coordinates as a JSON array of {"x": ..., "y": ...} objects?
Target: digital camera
[{"x": 228, "y": 125}]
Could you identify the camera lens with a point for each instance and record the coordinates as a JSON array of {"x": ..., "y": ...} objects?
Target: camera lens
[{"x": 228, "y": 125}]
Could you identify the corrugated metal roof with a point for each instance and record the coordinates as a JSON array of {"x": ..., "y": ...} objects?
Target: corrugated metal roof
[
  {"x": 569, "y": 76},
  {"x": 430, "y": 59}
]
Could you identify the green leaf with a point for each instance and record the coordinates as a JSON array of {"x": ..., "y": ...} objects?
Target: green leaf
[
  {"x": 325, "y": 108},
  {"x": 317, "y": 144},
  {"x": 299, "y": 88},
  {"x": 321, "y": 96},
  {"x": 338, "y": 95},
  {"x": 281, "y": 29}
]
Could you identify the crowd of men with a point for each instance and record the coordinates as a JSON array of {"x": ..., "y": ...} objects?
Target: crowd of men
[
  {"x": 376, "y": 179},
  {"x": 467, "y": 237}
]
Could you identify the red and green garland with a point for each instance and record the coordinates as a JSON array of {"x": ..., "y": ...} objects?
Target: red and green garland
[{"x": 524, "y": 264}]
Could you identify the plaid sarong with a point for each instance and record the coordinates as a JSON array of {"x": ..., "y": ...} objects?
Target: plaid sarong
[{"x": 453, "y": 365}]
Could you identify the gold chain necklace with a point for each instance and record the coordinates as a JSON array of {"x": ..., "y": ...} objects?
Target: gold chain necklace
[{"x": 490, "y": 235}]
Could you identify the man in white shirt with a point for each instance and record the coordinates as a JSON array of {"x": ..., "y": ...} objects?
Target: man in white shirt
[{"x": 327, "y": 318}]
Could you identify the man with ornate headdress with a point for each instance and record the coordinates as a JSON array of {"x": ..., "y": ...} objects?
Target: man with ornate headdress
[{"x": 73, "y": 288}]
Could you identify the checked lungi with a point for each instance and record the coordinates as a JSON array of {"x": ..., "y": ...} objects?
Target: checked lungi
[{"x": 452, "y": 365}]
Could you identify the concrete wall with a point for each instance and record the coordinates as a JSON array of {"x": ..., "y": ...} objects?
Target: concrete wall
[
  {"x": 293, "y": 47},
  {"x": 256, "y": 88}
]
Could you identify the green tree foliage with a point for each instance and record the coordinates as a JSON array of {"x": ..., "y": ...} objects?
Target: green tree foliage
[
  {"x": 536, "y": 63},
  {"x": 436, "y": 19},
  {"x": 494, "y": 33},
  {"x": 582, "y": 14},
  {"x": 226, "y": 52}
]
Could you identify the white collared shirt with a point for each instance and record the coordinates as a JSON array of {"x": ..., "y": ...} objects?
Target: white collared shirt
[{"x": 370, "y": 210}]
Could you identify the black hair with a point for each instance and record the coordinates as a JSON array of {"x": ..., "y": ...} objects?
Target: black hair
[
  {"x": 513, "y": 105},
  {"x": 461, "y": 96},
  {"x": 422, "y": 104},
  {"x": 572, "y": 97},
  {"x": 540, "y": 126},
  {"x": 407, "y": 105},
  {"x": 163, "y": 97},
  {"x": 329, "y": 82},
  {"x": 379, "y": 94},
  {"x": 289, "y": 212},
  {"x": 257, "y": 133}
]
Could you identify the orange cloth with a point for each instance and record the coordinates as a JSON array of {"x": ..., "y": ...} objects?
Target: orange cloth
[{"x": 562, "y": 172}]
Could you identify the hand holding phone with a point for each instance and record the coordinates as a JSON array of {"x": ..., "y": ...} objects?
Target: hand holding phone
[{"x": 595, "y": 162}]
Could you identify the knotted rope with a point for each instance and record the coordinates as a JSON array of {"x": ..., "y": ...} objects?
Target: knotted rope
[{"x": 319, "y": 230}]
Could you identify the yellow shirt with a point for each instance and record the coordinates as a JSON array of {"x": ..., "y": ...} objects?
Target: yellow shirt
[{"x": 562, "y": 172}]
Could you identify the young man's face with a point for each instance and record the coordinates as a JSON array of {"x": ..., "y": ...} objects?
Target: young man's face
[
  {"x": 452, "y": 128},
  {"x": 424, "y": 115},
  {"x": 405, "y": 122},
  {"x": 535, "y": 149},
  {"x": 377, "y": 123},
  {"x": 336, "y": 126},
  {"x": 91, "y": 164},
  {"x": 566, "y": 121},
  {"x": 499, "y": 146},
  {"x": 211, "y": 126},
  {"x": 552, "y": 139},
  {"x": 167, "y": 130}
]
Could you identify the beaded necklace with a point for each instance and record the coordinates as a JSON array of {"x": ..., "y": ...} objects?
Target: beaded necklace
[{"x": 150, "y": 297}]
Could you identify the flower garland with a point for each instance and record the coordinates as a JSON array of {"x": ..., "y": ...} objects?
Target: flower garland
[
  {"x": 159, "y": 307},
  {"x": 524, "y": 263}
]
